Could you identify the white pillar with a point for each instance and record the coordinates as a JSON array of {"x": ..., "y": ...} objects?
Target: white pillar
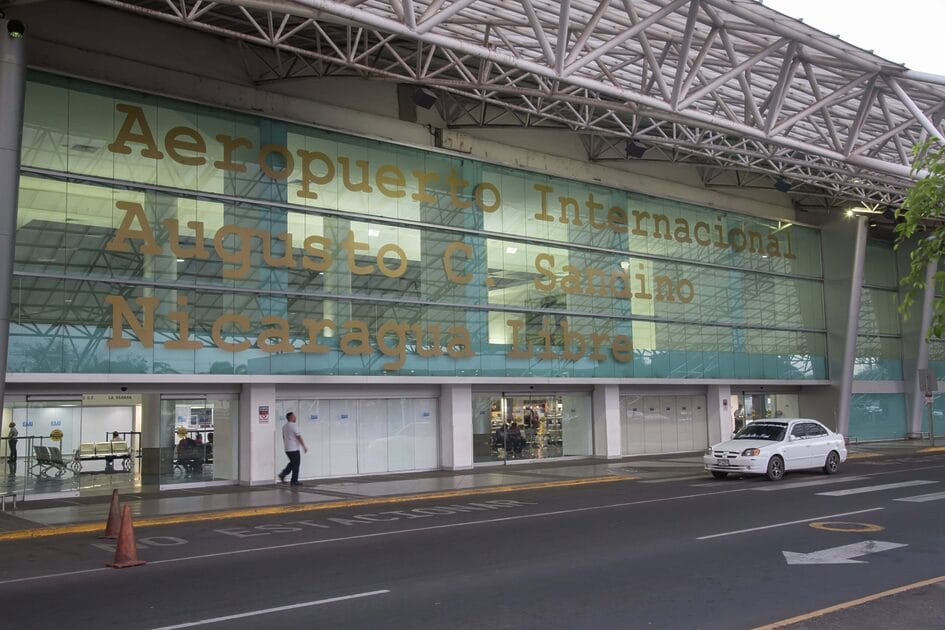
[
  {"x": 913, "y": 336},
  {"x": 257, "y": 434},
  {"x": 157, "y": 445},
  {"x": 606, "y": 414},
  {"x": 853, "y": 322},
  {"x": 456, "y": 436},
  {"x": 12, "y": 91},
  {"x": 719, "y": 412}
]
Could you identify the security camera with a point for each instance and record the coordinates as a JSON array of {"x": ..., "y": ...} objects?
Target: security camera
[{"x": 16, "y": 29}]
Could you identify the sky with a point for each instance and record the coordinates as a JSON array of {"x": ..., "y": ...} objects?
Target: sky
[{"x": 911, "y": 32}]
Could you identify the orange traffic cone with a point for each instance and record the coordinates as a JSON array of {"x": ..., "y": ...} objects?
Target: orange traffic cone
[
  {"x": 113, "y": 524},
  {"x": 126, "y": 553}
]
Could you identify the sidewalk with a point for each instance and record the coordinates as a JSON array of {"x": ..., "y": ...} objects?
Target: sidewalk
[{"x": 74, "y": 514}]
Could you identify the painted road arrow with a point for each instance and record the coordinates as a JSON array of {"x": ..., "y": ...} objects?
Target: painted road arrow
[{"x": 840, "y": 555}]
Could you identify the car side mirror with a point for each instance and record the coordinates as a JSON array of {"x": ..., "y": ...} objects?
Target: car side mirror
[{"x": 792, "y": 437}]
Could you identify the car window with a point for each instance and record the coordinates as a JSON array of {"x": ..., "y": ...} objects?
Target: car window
[
  {"x": 761, "y": 431},
  {"x": 815, "y": 430},
  {"x": 799, "y": 430}
]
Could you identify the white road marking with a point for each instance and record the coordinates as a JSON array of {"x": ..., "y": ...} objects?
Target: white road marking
[
  {"x": 53, "y": 575},
  {"x": 803, "y": 520},
  {"x": 806, "y": 484},
  {"x": 396, "y": 532},
  {"x": 922, "y": 498},
  {"x": 267, "y": 611},
  {"x": 879, "y": 488},
  {"x": 844, "y": 554}
]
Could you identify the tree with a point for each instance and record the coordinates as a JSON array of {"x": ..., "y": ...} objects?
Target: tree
[{"x": 921, "y": 225}]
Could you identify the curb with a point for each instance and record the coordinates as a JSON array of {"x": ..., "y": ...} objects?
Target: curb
[
  {"x": 86, "y": 528},
  {"x": 784, "y": 623}
]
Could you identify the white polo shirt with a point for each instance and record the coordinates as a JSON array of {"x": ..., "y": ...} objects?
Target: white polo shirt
[{"x": 290, "y": 436}]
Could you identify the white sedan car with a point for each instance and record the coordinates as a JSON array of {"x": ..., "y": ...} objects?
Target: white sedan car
[{"x": 771, "y": 447}]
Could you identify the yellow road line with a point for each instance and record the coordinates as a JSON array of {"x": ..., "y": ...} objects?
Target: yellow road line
[
  {"x": 154, "y": 521},
  {"x": 850, "y": 604},
  {"x": 932, "y": 449}
]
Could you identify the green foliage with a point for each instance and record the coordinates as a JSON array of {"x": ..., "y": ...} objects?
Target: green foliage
[{"x": 922, "y": 225}]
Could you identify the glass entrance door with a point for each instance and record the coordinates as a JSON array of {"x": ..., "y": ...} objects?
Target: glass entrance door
[
  {"x": 756, "y": 406},
  {"x": 38, "y": 459},
  {"x": 530, "y": 426},
  {"x": 198, "y": 440}
]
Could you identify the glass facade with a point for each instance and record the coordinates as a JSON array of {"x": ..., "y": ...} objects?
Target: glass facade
[
  {"x": 162, "y": 237},
  {"x": 877, "y": 417},
  {"x": 72, "y": 444},
  {"x": 531, "y": 426},
  {"x": 198, "y": 439},
  {"x": 879, "y": 342}
]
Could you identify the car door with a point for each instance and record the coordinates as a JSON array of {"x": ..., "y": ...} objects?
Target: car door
[
  {"x": 795, "y": 449},
  {"x": 818, "y": 439}
]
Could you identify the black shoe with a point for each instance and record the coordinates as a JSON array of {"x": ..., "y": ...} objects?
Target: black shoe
[
  {"x": 296, "y": 483},
  {"x": 281, "y": 478}
]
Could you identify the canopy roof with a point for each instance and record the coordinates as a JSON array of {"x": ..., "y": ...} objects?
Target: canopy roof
[{"x": 746, "y": 93}]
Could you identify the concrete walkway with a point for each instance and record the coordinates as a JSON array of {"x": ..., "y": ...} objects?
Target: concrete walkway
[{"x": 74, "y": 514}]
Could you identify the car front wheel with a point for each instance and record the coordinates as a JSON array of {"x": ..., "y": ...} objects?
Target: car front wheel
[
  {"x": 832, "y": 464},
  {"x": 775, "y": 468}
]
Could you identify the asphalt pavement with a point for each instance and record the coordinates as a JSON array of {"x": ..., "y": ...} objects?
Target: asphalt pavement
[{"x": 655, "y": 543}]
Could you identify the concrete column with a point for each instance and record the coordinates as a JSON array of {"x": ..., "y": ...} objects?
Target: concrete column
[
  {"x": 606, "y": 414},
  {"x": 456, "y": 435},
  {"x": 914, "y": 335},
  {"x": 12, "y": 92},
  {"x": 157, "y": 449},
  {"x": 257, "y": 434},
  {"x": 843, "y": 286},
  {"x": 853, "y": 327},
  {"x": 718, "y": 409}
]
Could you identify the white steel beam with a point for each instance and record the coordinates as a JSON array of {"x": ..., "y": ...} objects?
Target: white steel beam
[{"x": 740, "y": 71}]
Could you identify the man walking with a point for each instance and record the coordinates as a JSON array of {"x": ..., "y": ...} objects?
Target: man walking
[{"x": 292, "y": 439}]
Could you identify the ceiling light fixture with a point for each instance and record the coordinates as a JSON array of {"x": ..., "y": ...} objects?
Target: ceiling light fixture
[{"x": 16, "y": 29}]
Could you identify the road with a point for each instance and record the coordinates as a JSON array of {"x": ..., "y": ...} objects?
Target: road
[{"x": 696, "y": 553}]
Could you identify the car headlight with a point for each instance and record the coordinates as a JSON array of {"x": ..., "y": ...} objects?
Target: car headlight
[
  {"x": 707, "y": 451},
  {"x": 751, "y": 452}
]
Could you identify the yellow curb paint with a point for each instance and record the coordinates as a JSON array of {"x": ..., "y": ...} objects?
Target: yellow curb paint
[
  {"x": 850, "y": 604},
  {"x": 842, "y": 526},
  {"x": 84, "y": 528},
  {"x": 862, "y": 455},
  {"x": 932, "y": 449}
]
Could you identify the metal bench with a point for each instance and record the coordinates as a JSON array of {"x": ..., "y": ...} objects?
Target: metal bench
[
  {"x": 108, "y": 451},
  {"x": 46, "y": 459}
]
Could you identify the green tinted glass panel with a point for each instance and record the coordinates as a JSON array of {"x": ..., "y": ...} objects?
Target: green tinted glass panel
[
  {"x": 117, "y": 134},
  {"x": 880, "y": 265},
  {"x": 879, "y": 312},
  {"x": 877, "y": 417},
  {"x": 165, "y": 237},
  {"x": 878, "y": 359}
]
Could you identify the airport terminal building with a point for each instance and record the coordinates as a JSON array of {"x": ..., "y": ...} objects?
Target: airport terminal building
[{"x": 198, "y": 254}]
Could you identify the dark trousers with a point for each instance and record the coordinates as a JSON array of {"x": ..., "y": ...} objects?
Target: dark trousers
[
  {"x": 11, "y": 461},
  {"x": 295, "y": 459}
]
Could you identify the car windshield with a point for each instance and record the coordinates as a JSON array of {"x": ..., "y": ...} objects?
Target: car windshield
[{"x": 761, "y": 431}]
